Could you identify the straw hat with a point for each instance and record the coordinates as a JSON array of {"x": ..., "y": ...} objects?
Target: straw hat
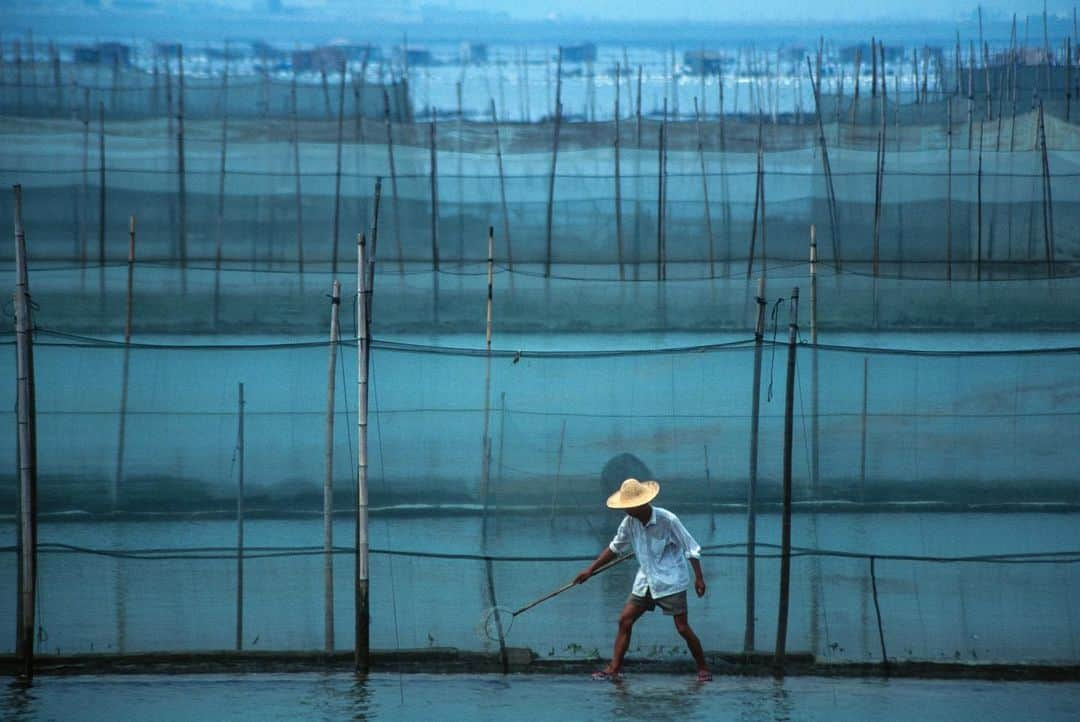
[{"x": 633, "y": 493}]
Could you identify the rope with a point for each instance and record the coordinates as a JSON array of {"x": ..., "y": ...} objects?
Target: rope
[{"x": 718, "y": 551}]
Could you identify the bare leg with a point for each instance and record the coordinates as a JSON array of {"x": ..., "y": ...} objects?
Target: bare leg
[
  {"x": 629, "y": 615},
  {"x": 682, "y": 626}
]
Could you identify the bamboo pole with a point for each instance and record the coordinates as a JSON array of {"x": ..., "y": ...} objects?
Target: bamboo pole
[
  {"x": 873, "y": 63},
  {"x": 240, "y": 526},
  {"x": 815, "y": 436},
  {"x": 84, "y": 189},
  {"x": 978, "y": 209},
  {"x": 661, "y": 173},
  {"x": 725, "y": 190},
  {"x": 181, "y": 173},
  {"x": 554, "y": 162},
  {"x": 122, "y": 435},
  {"x": 759, "y": 205},
  {"x": 1048, "y": 199},
  {"x": 751, "y": 487},
  {"x": 101, "y": 186},
  {"x": 485, "y": 465},
  {"x": 337, "y": 171},
  {"x": 27, "y": 452},
  {"x": 434, "y": 178},
  {"x": 502, "y": 189},
  {"x": 948, "y": 192},
  {"x": 361, "y": 657},
  {"x": 785, "y": 543},
  {"x": 834, "y": 229},
  {"x": 297, "y": 189},
  {"x": 637, "y": 179},
  {"x": 393, "y": 182},
  {"x": 221, "y": 182},
  {"x": 328, "y": 478},
  {"x": 705, "y": 190},
  {"x": 618, "y": 179}
]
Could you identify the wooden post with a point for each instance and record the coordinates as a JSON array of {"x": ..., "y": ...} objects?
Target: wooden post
[
  {"x": 240, "y": 526},
  {"x": 705, "y": 188},
  {"x": 485, "y": 444},
  {"x": 948, "y": 192},
  {"x": 785, "y": 543},
  {"x": 221, "y": 183},
  {"x": 873, "y": 63},
  {"x": 1048, "y": 198},
  {"x": 833, "y": 223},
  {"x": 554, "y": 162},
  {"x": 393, "y": 181},
  {"x": 751, "y": 487},
  {"x": 101, "y": 185},
  {"x": 502, "y": 189},
  {"x": 361, "y": 659},
  {"x": 181, "y": 173},
  {"x": 328, "y": 478},
  {"x": 661, "y": 173},
  {"x": 862, "y": 428},
  {"x": 122, "y": 435},
  {"x": 978, "y": 209},
  {"x": 435, "y": 196},
  {"x": 295, "y": 137},
  {"x": 337, "y": 171},
  {"x": 815, "y": 445},
  {"x": 618, "y": 180},
  {"x": 27, "y": 450},
  {"x": 758, "y": 198}
]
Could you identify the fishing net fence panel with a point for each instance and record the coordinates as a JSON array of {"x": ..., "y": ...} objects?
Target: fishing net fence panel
[
  {"x": 920, "y": 209},
  {"x": 954, "y": 471}
]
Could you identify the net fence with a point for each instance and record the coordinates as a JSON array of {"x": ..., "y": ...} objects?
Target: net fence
[{"x": 939, "y": 485}]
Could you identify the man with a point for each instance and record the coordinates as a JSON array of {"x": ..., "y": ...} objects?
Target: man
[{"x": 662, "y": 546}]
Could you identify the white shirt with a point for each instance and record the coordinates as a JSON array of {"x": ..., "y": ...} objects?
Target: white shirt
[{"x": 662, "y": 547}]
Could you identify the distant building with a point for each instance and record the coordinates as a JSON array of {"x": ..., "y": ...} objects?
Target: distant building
[
  {"x": 583, "y": 53},
  {"x": 104, "y": 53},
  {"x": 703, "y": 62},
  {"x": 413, "y": 57},
  {"x": 475, "y": 53}
]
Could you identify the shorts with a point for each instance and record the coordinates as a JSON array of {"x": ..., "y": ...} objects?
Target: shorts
[{"x": 673, "y": 604}]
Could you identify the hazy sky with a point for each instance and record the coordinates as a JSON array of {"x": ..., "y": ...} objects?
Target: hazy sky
[{"x": 749, "y": 10}]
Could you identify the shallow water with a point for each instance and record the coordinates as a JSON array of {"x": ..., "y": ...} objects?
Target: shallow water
[{"x": 492, "y": 697}]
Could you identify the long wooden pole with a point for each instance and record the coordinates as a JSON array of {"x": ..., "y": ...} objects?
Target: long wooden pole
[
  {"x": 297, "y": 191},
  {"x": 485, "y": 461},
  {"x": 328, "y": 478},
  {"x": 1048, "y": 198},
  {"x": 554, "y": 162},
  {"x": 361, "y": 661},
  {"x": 181, "y": 172},
  {"x": 101, "y": 185},
  {"x": 705, "y": 186},
  {"x": 834, "y": 229},
  {"x": 751, "y": 487},
  {"x": 948, "y": 192},
  {"x": 434, "y": 185},
  {"x": 337, "y": 171},
  {"x": 393, "y": 180},
  {"x": 617, "y": 145},
  {"x": 122, "y": 433},
  {"x": 27, "y": 439},
  {"x": 240, "y": 525},
  {"x": 221, "y": 182},
  {"x": 502, "y": 188},
  {"x": 785, "y": 542}
]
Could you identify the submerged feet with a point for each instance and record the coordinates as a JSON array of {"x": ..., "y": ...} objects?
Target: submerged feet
[
  {"x": 607, "y": 674},
  {"x": 704, "y": 675}
]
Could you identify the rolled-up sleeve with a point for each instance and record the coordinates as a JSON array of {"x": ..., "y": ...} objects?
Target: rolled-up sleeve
[
  {"x": 691, "y": 549},
  {"x": 620, "y": 544}
]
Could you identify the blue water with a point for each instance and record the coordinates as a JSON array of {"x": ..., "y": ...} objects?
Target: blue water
[{"x": 530, "y": 697}]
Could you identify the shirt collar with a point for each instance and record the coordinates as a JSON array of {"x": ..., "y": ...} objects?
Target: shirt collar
[{"x": 652, "y": 516}]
